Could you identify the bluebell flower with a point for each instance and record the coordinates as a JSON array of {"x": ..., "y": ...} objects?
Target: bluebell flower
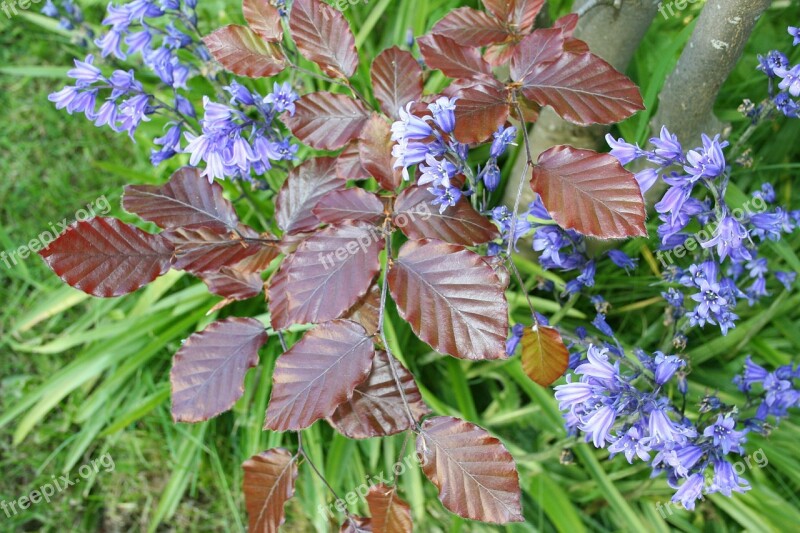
[
  {"x": 666, "y": 366},
  {"x": 795, "y": 32},
  {"x": 646, "y": 179},
  {"x": 709, "y": 162},
  {"x": 445, "y": 197},
  {"x": 729, "y": 239},
  {"x": 501, "y": 139},
  {"x": 410, "y": 127},
  {"x": 725, "y": 436},
  {"x": 282, "y": 98},
  {"x": 726, "y": 481},
  {"x": 790, "y": 81},
  {"x": 49, "y": 9},
  {"x": 443, "y": 110},
  {"x": 786, "y": 105},
  {"x": 597, "y": 424},
  {"x": 110, "y": 44},
  {"x": 786, "y": 278},
  {"x": 668, "y": 147},
  {"x": 85, "y": 73},
  {"x": 514, "y": 339},
  {"x": 630, "y": 444},
  {"x": 773, "y": 60},
  {"x": 623, "y": 150},
  {"x": 436, "y": 172},
  {"x": 621, "y": 259},
  {"x": 490, "y": 175},
  {"x": 600, "y": 323},
  {"x": 690, "y": 491}
]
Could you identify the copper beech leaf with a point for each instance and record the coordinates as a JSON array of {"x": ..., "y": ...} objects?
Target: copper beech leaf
[
  {"x": 480, "y": 111},
  {"x": 459, "y": 224},
  {"x": 242, "y": 51},
  {"x": 208, "y": 250},
  {"x": 590, "y": 193},
  {"x": 232, "y": 283},
  {"x": 390, "y": 514},
  {"x": 306, "y": 185},
  {"x": 327, "y": 274},
  {"x": 541, "y": 46},
  {"x": 455, "y": 60},
  {"x": 348, "y": 164},
  {"x": 323, "y": 35},
  {"x": 470, "y": 27},
  {"x": 451, "y": 298},
  {"x": 208, "y": 371},
  {"x": 269, "y": 479},
  {"x": 318, "y": 374},
  {"x": 377, "y": 409},
  {"x": 348, "y": 205},
  {"x": 397, "y": 80},
  {"x": 187, "y": 200},
  {"x": 367, "y": 310},
  {"x": 263, "y": 18},
  {"x": 475, "y": 474},
  {"x": 327, "y": 121},
  {"x": 544, "y": 356},
  {"x": 106, "y": 257},
  {"x": 375, "y": 150},
  {"x": 520, "y": 14},
  {"x": 583, "y": 89}
]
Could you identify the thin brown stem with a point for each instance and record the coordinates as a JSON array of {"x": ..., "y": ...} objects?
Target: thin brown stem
[{"x": 528, "y": 167}]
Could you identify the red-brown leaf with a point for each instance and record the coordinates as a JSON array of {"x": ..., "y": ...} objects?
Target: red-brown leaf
[
  {"x": 327, "y": 121},
  {"x": 302, "y": 190},
  {"x": 242, "y": 51},
  {"x": 377, "y": 409},
  {"x": 357, "y": 524},
  {"x": 480, "y": 111},
  {"x": 459, "y": 224},
  {"x": 367, "y": 310},
  {"x": 583, "y": 89},
  {"x": 208, "y": 371},
  {"x": 390, "y": 514},
  {"x": 105, "y": 257},
  {"x": 470, "y": 27},
  {"x": 590, "y": 193},
  {"x": 208, "y": 250},
  {"x": 348, "y": 164},
  {"x": 453, "y": 59},
  {"x": 323, "y": 35},
  {"x": 520, "y": 14},
  {"x": 451, "y": 298},
  {"x": 541, "y": 46},
  {"x": 269, "y": 479},
  {"x": 264, "y": 19},
  {"x": 327, "y": 274},
  {"x": 544, "y": 356},
  {"x": 349, "y": 205},
  {"x": 375, "y": 150},
  {"x": 187, "y": 200},
  {"x": 475, "y": 474},
  {"x": 232, "y": 283},
  {"x": 318, "y": 374},
  {"x": 397, "y": 80}
]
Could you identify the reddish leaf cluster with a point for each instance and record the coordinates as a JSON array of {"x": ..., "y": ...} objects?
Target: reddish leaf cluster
[{"x": 339, "y": 266}]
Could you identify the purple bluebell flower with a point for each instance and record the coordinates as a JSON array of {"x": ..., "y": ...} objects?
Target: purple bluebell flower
[
  {"x": 729, "y": 239},
  {"x": 501, "y": 139},
  {"x": 708, "y": 162},
  {"x": 597, "y": 424},
  {"x": 436, "y": 172},
  {"x": 85, "y": 73},
  {"x": 773, "y": 60},
  {"x": 490, "y": 175},
  {"x": 726, "y": 480},
  {"x": 444, "y": 113},
  {"x": 791, "y": 80},
  {"x": 646, "y": 179},
  {"x": 795, "y": 32},
  {"x": 445, "y": 197},
  {"x": 725, "y": 435},
  {"x": 668, "y": 147},
  {"x": 690, "y": 491},
  {"x": 630, "y": 444},
  {"x": 282, "y": 98},
  {"x": 514, "y": 339},
  {"x": 666, "y": 366},
  {"x": 786, "y": 278},
  {"x": 622, "y": 260},
  {"x": 624, "y": 151},
  {"x": 410, "y": 127}
]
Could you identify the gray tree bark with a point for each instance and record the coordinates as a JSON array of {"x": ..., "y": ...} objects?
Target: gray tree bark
[{"x": 686, "y": 103}]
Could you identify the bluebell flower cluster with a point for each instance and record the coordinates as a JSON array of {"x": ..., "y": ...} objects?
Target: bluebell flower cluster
[
  {"x": 241, "y": 139},
  {"x": 784, "y": 79},
  {"x": 722, "y": 241},
  {"x": 237, "y": 139},
  {"x": 428, "y": 142},
  {"x": 68, "y": 14},
  {"x": 124, "y": 109},
  {"x": 623, "y": 403}
]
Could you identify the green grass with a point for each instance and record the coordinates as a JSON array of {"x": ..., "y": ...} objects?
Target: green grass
[{"x": 81, "y": 377}]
